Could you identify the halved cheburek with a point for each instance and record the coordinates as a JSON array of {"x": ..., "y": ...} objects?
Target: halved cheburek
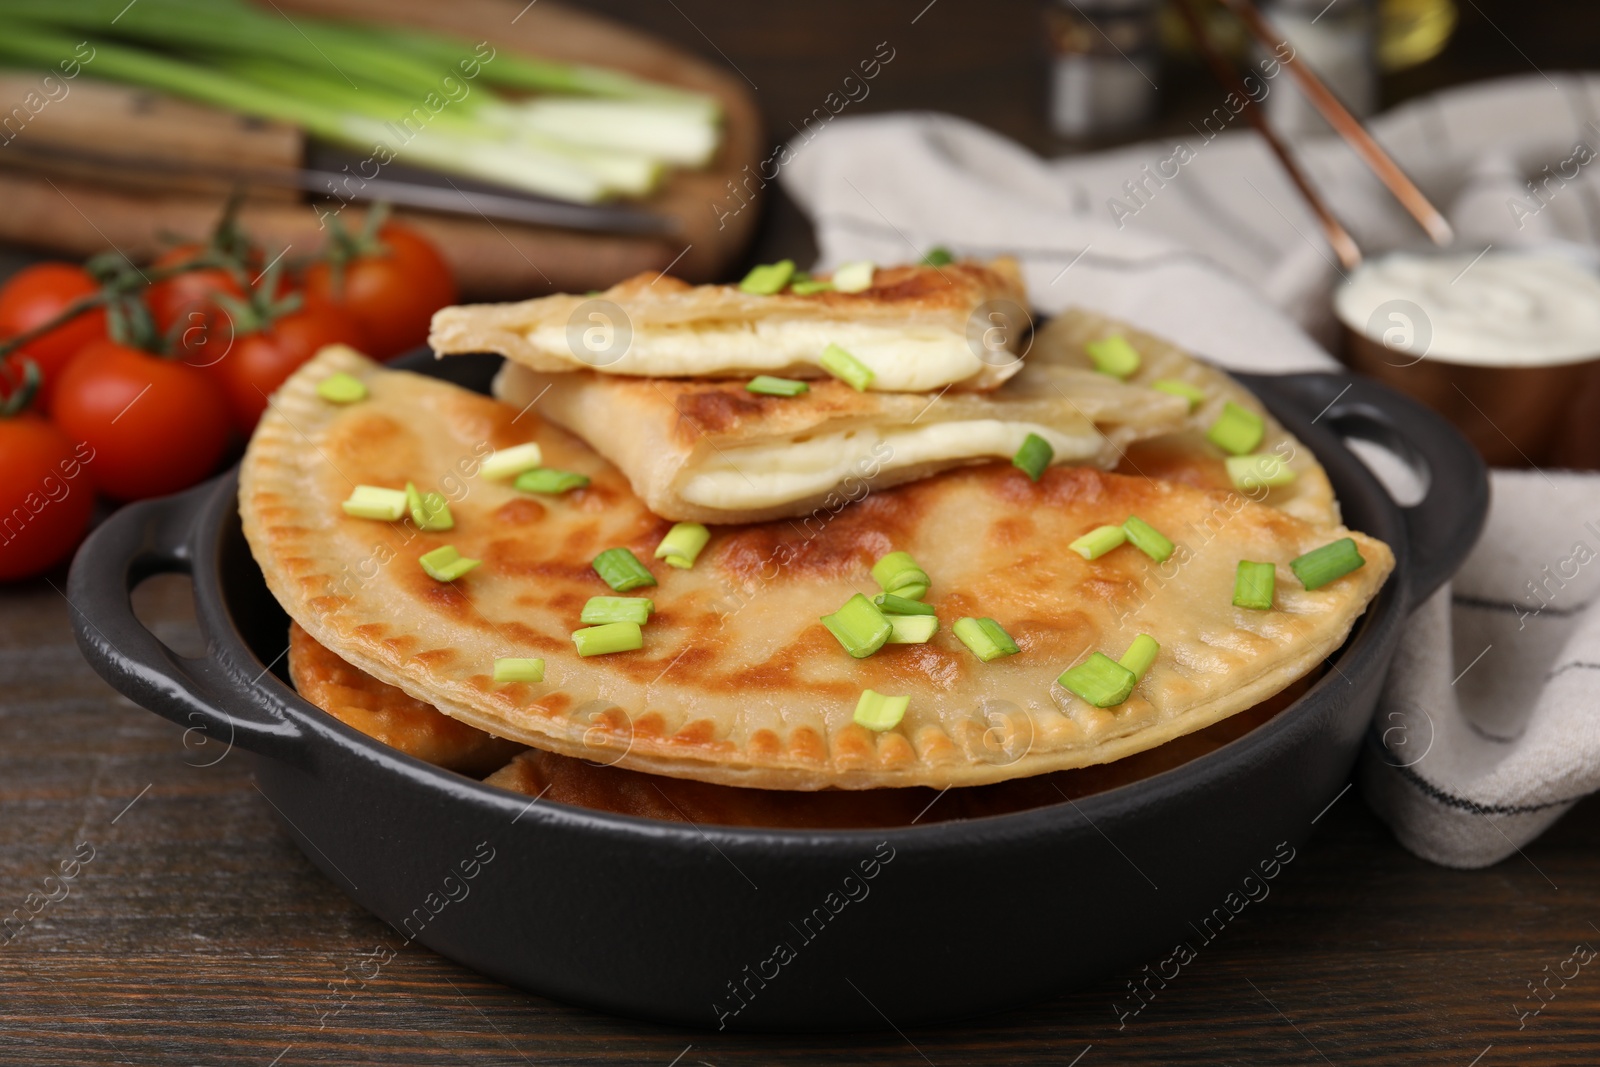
[
  {"x": 735, "y": 679},
  {"x": 1185, "y": 455},
  {"x": 714, "y": 452},
  {"x": 914, "y": 329}
]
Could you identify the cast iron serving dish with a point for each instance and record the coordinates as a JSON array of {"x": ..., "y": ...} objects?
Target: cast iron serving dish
[{"x": 684, "y": 923}]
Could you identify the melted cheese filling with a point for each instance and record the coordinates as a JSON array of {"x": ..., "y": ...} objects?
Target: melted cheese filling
[
  {"x": 754, "y": 476},
  {"x": 902, "y": 359}
]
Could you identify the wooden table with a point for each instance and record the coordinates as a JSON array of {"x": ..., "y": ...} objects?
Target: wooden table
[{"x": 197, "y": 933}]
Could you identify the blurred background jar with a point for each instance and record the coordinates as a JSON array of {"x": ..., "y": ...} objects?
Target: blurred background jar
[{"x": 1105, "y": 65}]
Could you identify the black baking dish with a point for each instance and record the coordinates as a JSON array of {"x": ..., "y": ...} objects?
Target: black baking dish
[{"x": 781, "y": 929}]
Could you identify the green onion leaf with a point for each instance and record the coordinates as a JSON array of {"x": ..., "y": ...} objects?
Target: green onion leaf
[
  {"x": 1100, "y": 680},
  {"x": 445, "y": 564},
  {"x": 518, "y": 670},
  {"x": 510, "y": 462},
  {"x": 847, "y": 368},
  {"x": 768, "y": 278},
  {"x": 854, "y": 277},
  {"x": 985, "y": 638},
  {"x": 911, "y": 629},
  {"x": 901, "y": 575},
  {"x": 767, "y": 385},
  {"x": 1193, "y": 394},
  {"x": 1253, "y": 585},
  {"x": 683, "y": 544},
  {"x": 1262, "y": 469},
  {"x": 878, "y": 712},
  {"x": 612, "y": 637},
  {"x": 341, "y": 388},
  {"x": 1140, "y": 655},
  {"x": 429, "y": 511},
  {"x": 1098, "y": 541},
  {"x": 621, "y": 570},
  {"x": 374, "y": 502},
  {"x": 549, "y": 480},
  {"x": 1034, "y": 456},
  {"x": 899, "y": 605},
  {"x": 1147, "y": 539},
  {"x": 807, "y": 286},
  {"x": 859, "y": 626},
  {"x": 601, "y": 609},
  {"x": 1113, "y": 355},
  {"x": 937, "y": 256},
  {"x": 1322, "y": 565},
  {"x": 1238, "y": 430}
]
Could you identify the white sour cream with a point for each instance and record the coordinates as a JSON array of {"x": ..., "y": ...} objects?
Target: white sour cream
[
  {"x": 762, "y": 475},
  {"x": 909, "y": 359},
  {"x": 1505, "y": 309}
]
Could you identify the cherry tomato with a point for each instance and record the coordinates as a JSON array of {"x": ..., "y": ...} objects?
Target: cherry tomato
[
  {"x": 392, "y": 294},
  {"x": 46, "y": 495},
  {"x": 172, "y": 299},
  {"x": 38, "y": 293},
  {"x": 156, "y": 425},
  {"x": 257, "y": 363}
]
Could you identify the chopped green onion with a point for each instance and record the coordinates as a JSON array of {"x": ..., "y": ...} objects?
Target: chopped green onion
[
  {"x": 847, "y": 368},
  {"x": 622, "y": 570},
  {"x": 901, "y": 575},
  {"x": 1238, "y": 430},
  {"x": 1147, "y": 539},
  {"x": 985, "y": 638},
  {"x": 807, "y": 286},
  {"x": 341, "y": 388},
  {"x": 1322, "y": 565},
  {"x": 899, "y": 605},
  {"x": 445, "y": 564},
  {"x": 1098, "y": 541},
  {"x": 634, "y": 609},
  {"x": 429, "y": 511},
  {"x": 1140, "y": 655},
  {"x": 1113, "y": 355},
  {"x": 1193, "y": 394},
  {"x": 854, "y": 277},
  {"x": 1261, "y": 469},
  {"x": 549, "y": 480},
  {"x": 518, "y": 670},
  {"x": 859, "y": 626},
  {"x": 911, "y": 629},
  {"x": 510, "y": 462},
  {"x": 612, "y": 637},
  {"x": 373, "y": 502},
  {"x": 683, "y": 545},
  {"x": 878, "y": 712},
  {"x": 937, "y": 256},
  {"x": 1253, "y": 585},
  {"x": 1100, "y": 680},
  {"x": 1034, "y": 456},
  {"x": 767, "y": 385},
  {"x": 768, "y": 278}
]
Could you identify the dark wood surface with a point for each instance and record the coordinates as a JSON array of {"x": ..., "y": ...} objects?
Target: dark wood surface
[{"x": 198, "y": 934}]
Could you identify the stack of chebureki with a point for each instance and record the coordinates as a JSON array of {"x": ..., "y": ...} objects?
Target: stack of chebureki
[{"x": 919, "y": 570}]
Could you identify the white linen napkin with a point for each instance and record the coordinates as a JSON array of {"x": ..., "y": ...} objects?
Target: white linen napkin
[{"x": 1487, "y": 716}]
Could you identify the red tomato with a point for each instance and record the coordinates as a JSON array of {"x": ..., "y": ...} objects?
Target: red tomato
[
  {"x": 37, "y": 294},
  {"x": 156, "y": 425},
  {"x": 174, "y": 298},
  {"x": 45, "y": 495},
  {"x": 392, "y": 294},
  {"x": 257, "y": 363}
]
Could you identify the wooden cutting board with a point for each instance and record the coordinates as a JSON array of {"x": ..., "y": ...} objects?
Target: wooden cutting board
[{"x": 78, "y": 213}]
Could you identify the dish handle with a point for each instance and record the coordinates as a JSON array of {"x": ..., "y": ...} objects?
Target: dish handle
[
  {"x": 202, "y": 694},
  {"x": 1442, "y": 527}
]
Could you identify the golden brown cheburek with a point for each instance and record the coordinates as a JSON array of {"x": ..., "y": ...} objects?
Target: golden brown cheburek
[
  {"x": 1185, "y": 455},
  {"x": 711, "y": 451},
  {"x": 917, "y": 329},
  {"x": 738, "y": 682}
]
